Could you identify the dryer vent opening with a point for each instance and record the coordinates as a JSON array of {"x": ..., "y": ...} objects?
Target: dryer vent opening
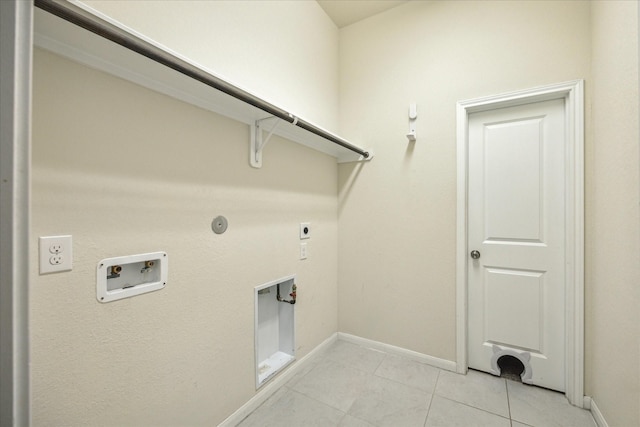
[{"x": 511, "y": 368}]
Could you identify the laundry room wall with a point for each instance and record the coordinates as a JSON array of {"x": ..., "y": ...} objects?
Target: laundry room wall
[
  {"x": 126, "y": 170},
  {"x": 283, "y": 51},
  {"x": 397, "y": 215},
  {"x": 613, "y": 216}
]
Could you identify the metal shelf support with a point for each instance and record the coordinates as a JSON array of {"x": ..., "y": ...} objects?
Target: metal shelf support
[{"x": 258, "y": 141}]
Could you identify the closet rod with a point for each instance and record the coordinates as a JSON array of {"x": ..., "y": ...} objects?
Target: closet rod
[{"x": 117, "y": 35}]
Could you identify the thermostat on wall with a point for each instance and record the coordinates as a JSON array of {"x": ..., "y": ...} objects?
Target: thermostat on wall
[{"x": 127, "y": 276}]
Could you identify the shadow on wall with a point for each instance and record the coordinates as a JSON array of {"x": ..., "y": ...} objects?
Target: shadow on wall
[
  {"x": 347, "y": 177},
  {"x": 172, "y": 142}
]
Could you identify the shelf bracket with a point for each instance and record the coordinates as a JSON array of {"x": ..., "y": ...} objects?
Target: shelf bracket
[{"x": 259, "y": 141}]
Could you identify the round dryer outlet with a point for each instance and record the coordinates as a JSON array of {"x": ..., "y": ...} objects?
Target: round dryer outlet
[{"x": 219, "y": 224}]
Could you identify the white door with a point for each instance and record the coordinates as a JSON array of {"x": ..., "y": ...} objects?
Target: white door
[{"x": 516, "y": 220}]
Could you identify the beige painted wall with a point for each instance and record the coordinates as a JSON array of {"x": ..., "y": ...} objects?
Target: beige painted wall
[
  {"x": 191, "y": 350},
  {"x": 397, "y": 215},
  {"x": 613, "y": 216},
  {"x": 284, "y": 51},
  {"x": 126, "y": 171}
]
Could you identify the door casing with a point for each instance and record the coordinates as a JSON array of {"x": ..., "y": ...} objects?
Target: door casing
[
  {"x": 16, "y": 19},
  {"x": 573, "y": 94}
]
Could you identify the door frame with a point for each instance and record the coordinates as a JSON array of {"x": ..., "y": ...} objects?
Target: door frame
[
  {"x": 573, "y": 94},
  {"x": 15, "y": 137}
]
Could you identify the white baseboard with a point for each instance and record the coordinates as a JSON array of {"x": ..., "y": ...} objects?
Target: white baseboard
[
  {"x": 274, "y": 385},
  {"x": 586, "y": 403},
  {"x": 597, "y": 415},
  {"x": 270, "y": 388},
  {"x": 447, "y": 365}
]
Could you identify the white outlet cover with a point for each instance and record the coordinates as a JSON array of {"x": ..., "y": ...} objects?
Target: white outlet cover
[{"x": 56, "y": 254}]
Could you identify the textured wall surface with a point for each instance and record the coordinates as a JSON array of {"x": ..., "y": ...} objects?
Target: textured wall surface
[
  {"x": 398, "y": 214},
  {"x": 126, "y": 171},
  {"x": 283, "y": 51},
  {"x": 613, "y": 216}
]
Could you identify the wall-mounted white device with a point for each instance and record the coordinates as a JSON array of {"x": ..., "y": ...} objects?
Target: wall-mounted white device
[
  {"x": 127, "y": 276},
  {"x": 56, "y": 254},
  {"x": 413, "y": 117},
  {"x": 305, "y": 230}
]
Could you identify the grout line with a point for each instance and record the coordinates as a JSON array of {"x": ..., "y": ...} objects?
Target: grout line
[
  {"x": 274, "y": 384},
  {"x": 319, "y": 401},
  {"x": 386, "y": 355},
  {"x": 399, "y": 382},
  {"x": 506, "y": 386},
  {"x": 433, "y": 393},
  {"x": 375, "y": 371},
  {"x": 474, "y": 407}
]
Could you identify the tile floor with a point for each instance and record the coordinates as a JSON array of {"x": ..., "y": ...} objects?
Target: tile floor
[{"x": 352, "y": 386}]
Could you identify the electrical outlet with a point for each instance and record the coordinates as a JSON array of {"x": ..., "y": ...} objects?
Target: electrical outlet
[
  {"x": 56, "y": 260},
  {"x": 55, "y": 248},
  {"x": 56, "y": 254},
  {"x": 303, "y": 251}
]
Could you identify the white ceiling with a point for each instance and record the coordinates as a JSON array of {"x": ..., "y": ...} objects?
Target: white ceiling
[{"x": 346, "y": 12}]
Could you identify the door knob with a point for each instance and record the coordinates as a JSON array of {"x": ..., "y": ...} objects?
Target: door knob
[{"x": 475, "y": 254}]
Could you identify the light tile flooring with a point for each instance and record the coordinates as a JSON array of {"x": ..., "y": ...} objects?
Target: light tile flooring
[{"x": 352, "y": 386}]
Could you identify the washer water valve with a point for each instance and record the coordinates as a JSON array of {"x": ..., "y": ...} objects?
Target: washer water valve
[
  {"x": 292, "y": 294},
  {"x": 115, "y": 272},
  {"x": 127, "y": 276},
  {"x": 147, "y": 266}
]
